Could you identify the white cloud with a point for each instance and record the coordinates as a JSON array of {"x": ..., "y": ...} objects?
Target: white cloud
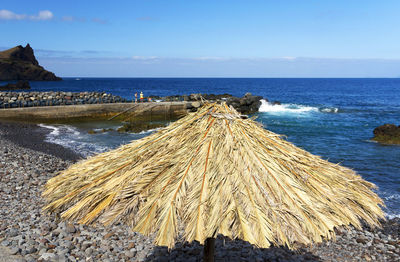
[
  {"x": 211, "y": 58},
  {"x": 99, "y": 21},
  {"x": 9, "y": 15},
  {"x": 144, "y": 57},
  {"x": 43, "y": 15},
  {"x": 290, "y": 58},
  {"x": 68, "y": 18},
  {"x": 144, "y": 66},
  {"x": 73, "y": 19}
]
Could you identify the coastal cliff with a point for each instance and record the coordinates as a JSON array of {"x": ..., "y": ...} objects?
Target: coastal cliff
[{"x": 19, "y": 63}]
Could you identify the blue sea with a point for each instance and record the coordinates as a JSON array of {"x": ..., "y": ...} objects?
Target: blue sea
[{"x": 333, "y": 118}]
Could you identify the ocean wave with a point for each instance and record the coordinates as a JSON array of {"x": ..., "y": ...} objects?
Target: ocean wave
[
  {"x": 391, "y": 200},
  {"x": 329, "y": 110},
  {"x": 293, "y": 108},
  {"x": 55, "y": 130},
  {"x": 391, "y": 216},
  {"x": 285, "y": 108},
  {"x": 86, "y": 149},
  {"x": 70, "y": 137},
  {"x": 86, "y": 144},
  {"x": 391, "y": 197},
  {"x": 150, "y": 130}
]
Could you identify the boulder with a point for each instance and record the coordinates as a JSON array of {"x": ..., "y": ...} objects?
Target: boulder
[
  {"x": 19, "y": 63},
  {"x": 248, "y": 104},
  {"x": 194, "y": 97},
  {"x": 196, "y": 104},
  {"x": 387, "y": 134}
]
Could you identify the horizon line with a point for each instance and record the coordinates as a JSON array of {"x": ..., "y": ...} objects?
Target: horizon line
[{"x": 234, "y": 77}]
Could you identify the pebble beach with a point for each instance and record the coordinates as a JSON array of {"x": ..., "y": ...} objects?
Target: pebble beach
[{"x": 28, "y": 234}]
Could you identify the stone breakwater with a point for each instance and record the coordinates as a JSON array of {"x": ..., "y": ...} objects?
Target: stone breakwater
[
  {"x": 27, "y": 234},
  {"x": 32, "y": 99},
  {"x": 247, "y": 104}
]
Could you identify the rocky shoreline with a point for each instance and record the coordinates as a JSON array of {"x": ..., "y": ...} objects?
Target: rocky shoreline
[{"x": 27, "y": 234}]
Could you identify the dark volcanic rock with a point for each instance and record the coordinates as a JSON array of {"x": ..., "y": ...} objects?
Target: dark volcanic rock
[
  {"x": 22, "y": 84},
  {"x": 248, "y": 104},
  {"x": 387, "y": 133},
  {"x": 19, "y": 63}
]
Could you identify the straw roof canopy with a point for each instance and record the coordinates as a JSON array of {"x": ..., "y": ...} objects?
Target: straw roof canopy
[{"x": 213, "y": 173}]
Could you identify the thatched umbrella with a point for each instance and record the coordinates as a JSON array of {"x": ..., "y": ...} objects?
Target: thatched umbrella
[{"x": 212, "y": 173}]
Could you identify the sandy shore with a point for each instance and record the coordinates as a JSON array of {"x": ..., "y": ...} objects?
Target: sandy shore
[{"x": 26, "y": 234}]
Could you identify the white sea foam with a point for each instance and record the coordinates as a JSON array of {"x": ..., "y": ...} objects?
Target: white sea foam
[
  {"x": 70, "y": 137},
  {"x": 394, "y": 196},
  {"x": 329, "y": 109},
  {"x": 293, "y": 109},
  {"x": 55, "y": 130},
  {"x": 150, "y": 130},
  {"x": 391, "y": 216},
  {"x": 285, "y": 108},
  {"x": 392, "y": 202}
]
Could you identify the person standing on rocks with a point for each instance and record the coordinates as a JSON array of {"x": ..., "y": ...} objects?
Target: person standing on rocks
[{"x": 141, "y": 97}]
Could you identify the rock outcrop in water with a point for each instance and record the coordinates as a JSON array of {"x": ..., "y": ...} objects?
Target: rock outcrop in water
[
  {"x": 19, "y": 63},
  {"x": 387, "y": 134},
  {"x": 247, "y": 104},
  {"x": 22, "y": 84}
]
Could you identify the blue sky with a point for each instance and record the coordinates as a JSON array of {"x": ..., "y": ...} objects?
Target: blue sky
[{"x": 235, "y": 38}]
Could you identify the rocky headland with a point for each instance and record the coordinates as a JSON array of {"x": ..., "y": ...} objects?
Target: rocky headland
[
  {"x": 19, "y": 63},
  {"x": 387, "y": 134}
]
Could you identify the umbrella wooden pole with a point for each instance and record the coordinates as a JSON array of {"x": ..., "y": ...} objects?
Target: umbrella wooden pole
[{"x": 209, "y": 248}]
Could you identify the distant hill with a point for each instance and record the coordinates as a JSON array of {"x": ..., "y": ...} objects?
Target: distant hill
[{"x": 19, "y": 63}]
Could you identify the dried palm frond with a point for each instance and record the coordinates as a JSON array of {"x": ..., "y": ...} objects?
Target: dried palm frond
[{"x": 212, "y": 173}]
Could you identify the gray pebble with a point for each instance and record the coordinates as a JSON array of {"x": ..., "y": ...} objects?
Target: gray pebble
[
  {"x": 48, "y": 256},
  {"x": 13, "y": 232},
  {"x": 70, "y": 228},
  {"x": 14, "y": 250},
  {"x": 129, "y": 254},
  {"x": 89, "y": 251}
]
